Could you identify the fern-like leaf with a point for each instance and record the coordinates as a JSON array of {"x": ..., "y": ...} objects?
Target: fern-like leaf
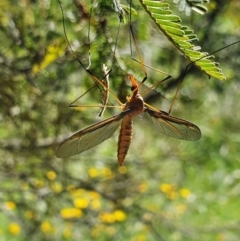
[{"x": 181, "y": 36}]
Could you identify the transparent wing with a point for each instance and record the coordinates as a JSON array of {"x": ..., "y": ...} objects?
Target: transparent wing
[
  {"x": 173, "y": 126},
  {"x": 90, "y": 136}
]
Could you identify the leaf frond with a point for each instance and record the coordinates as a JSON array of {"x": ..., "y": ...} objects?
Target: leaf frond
[{"x": 181, "y": 36}]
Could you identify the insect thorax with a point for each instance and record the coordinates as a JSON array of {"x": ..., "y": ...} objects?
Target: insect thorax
[{"x": 135, "y": 105}]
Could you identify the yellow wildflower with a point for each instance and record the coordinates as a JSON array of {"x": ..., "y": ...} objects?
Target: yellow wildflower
[
  {"x": 169, "y": 190},
  {"x": 171, "y": 195},
  {"x": 69, "y": 213},
  {"x": 29, "y": 214},
  {"x": 51, "y": 175},
  {"x": 106, "y": 217},
  {"x": 184, "y": 192},
  {"x": 93, "y": 172},
  {"x": 165, "y": 188},
  {"x": 107, "y": 173},
  {"x": 95, "y": 204},
  {"x": 46, "y": 227},
  {"x": 122, "y": 169},
  {"x": 56, "y": 187},
  {"x": 78, "y": 192},
  {"x": 94, "y": 195},
  {"x": 119, "y": 215},
  {"x": 37, "y": 183},
  {"x": 14, "y": 228},
  {"x": 9, "y": 205},
  {"x": 80, "y": 203}
]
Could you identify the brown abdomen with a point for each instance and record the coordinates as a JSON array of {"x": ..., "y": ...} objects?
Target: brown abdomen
[{"x": 124, "y": 138}]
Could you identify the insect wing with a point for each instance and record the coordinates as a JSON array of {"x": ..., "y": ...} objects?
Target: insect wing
[
  {"x": 90, "y": 136},
  {"x": 174, "y": 126}
]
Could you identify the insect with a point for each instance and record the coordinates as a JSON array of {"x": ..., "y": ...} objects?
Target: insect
[{"x": 97, "y": 133}]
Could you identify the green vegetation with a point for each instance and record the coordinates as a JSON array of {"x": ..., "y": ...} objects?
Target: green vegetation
[{"x": 167, "y": 189}]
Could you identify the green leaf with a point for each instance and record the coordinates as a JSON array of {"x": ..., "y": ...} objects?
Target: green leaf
[{"x": 181, "y": 37}]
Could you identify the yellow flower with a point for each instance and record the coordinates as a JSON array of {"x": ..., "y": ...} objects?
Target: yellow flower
[
  {"x": 37, "y": 183},
  {"x": 106, "y": 217},
  {"x": 46, "y": 227},
  {"x": 80, "y": 203},
  {"x": 169, "y": 190},
  {"x": 172, "y": 195},
  {"x": 122, "y": 169},
  {"x": 165, "y": 188},
  {"x": 56, "y": 187},
  {"x": 69, "y": 213},
  {"x": 184, "y": 192},
  {"x": 119, "y": 215},
  {"x": 78, "y": 192},
  {"x": 51, "y": 175},
  {"x": 29, "y": 214},
  {"x": 14, "y": 228},
  {"x": 107, "y": 173},
  {"x": 9, "y": 205},
  {"x": 94, "y": 195},
  {"x": 95, "y": 204},
  {"x": 93, "y": 172}
]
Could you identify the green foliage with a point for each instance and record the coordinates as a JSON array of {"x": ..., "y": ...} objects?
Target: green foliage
[
  {"x": 167, "y": 189},
  {"x": 181, "y": 36}
]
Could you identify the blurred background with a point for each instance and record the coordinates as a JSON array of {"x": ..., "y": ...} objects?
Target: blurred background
[{"x": 167, "y": 189}]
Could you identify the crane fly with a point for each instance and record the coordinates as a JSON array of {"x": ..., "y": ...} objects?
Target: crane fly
[{"x": 95, "y": 134}]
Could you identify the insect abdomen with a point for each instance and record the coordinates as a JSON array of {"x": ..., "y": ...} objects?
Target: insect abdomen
[{"x": 124, "y": 138}]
